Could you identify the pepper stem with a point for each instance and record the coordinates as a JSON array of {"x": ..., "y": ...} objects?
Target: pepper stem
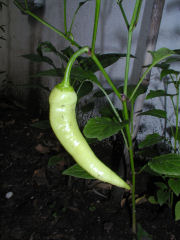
[{"x": 66, "y": 80}]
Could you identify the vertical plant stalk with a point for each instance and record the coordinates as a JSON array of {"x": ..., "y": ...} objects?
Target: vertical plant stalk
[
  {"x": 65, "y": 18},
  {"x": 177, "y": 119},
  {"x": 133, "y": 23},
  {"x": 96, "y": 20}
]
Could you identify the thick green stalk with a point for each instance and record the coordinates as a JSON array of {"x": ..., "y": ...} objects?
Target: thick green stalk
[
  {"x": 96, "y": 20},
  {"x": 127, "y": 62},
  {"x": 66, "y": 80},
  {"x": 131, "y": 155},
  {"x": 133, "y": 23}
]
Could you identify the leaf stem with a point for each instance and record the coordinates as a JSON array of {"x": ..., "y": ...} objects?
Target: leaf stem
[
  {"x": 95, "y": 59},
  {"x": 123, "y": 13},
  {"x": 47, "y": 24},
  {"x": 96, "y": 20}
]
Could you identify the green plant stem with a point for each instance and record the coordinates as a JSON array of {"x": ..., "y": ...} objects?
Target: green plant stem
[
  {"x": 131, "y": 155},
  {"x": 26, "y": 4},
  {"x": 65, "y": 18},
  {"x": 177, "y": 119},
  {"x": 133, "y": 23},
  {"x": 47, "y": 24},
  {"x": 127, "y": 62},
  {"x": 123, "y": 13},
  {"x": 66, "y": 80},
  {"x": 95, "y": 59},
  {"x": 96, "y": 20}
]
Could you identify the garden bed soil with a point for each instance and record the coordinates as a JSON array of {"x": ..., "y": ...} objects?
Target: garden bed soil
[{"x": 39, "y": 203}]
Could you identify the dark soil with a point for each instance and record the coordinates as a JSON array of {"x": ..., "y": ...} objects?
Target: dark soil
[{"x": 46, "y": 205}]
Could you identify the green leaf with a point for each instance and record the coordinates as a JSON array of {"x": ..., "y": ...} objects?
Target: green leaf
[
  {"x": 41, "y": 124},
  {"x": 54, "y": 160},
  {"x": 158, "y": 93},
  {"x": 161, "y": 185},
  {"x": 152, "y": 200},
  {"x": 49, "y": 47},
  {"x": 174, "y": 184},
  {"x": 105, "y": 59},
  {"x": 77, "y": 171},
  {"x": 167, "y": 164},
  {"x": 150, "y": 140},
  {"x": 38, "y": 58},
  {"x": 162, "y": 197},
  {"x": 102, "y": 127},
  {"x": 142, "y": 89},
  {"x": 85, "y": 89},
  {"x": 58, "y": 72},
  {"x": 79, "y": 74},
  {"x": 177, "y": 211},
  {"x": 88, "y": 107},
  {"x": 155, "y": 113},
  {"x": 68, "y": 52},
  {"x": 107, "y": 112},
  {"x": 160, "y": 54},
  {"x": 166, "y": 72},
  {"x": 142, "y": 234}
]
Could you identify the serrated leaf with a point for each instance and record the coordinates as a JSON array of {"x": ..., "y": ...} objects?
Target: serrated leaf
[
  {"x": 85, "y": 89},
  {"x": 158, "y": 93},
  {"x": 77, "y": 171},
  {"x": 150, "y": 140},
  {"x": 88, "y": 107},
  {"x": 177, "y": 211},
  {"x": 167, "y": 164},
  {"x": 102, "y": 127},
  {"x": 41, "y": 124},
  {"x": 155, "y": 113},
  {"x": 54, "y": 160},
  {"x": 174, "y": 184},
  {"x": 162, "y": 197}
]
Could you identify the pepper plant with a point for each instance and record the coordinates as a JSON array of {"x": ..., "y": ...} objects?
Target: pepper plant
[
  {"x": 84, "y": 71},
  {"x": 167, "y": 165}
]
